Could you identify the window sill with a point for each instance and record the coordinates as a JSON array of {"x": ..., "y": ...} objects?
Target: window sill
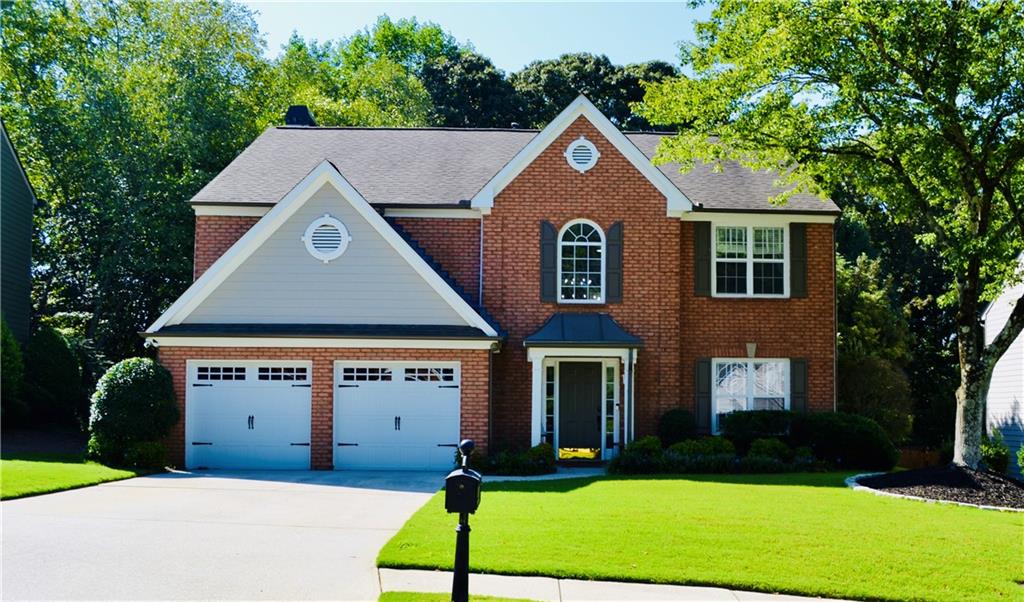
[{"x": 725, "y": 296}]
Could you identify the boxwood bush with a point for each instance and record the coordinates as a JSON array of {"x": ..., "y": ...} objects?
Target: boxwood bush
[
  {"x": 133, "y": 404},
  {"x": 844, "y": 440},
  {"x": 675, "y": 426},
  {"x": 539, "y": 459},
  {"x": 705, "y": 446},
  {"x": 995, "y": 453},
  {"x": 771, "y": 448},
  {"x": 743, "y": 428}
]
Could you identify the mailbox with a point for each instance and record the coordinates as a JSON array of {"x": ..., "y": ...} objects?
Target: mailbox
[{"x": 462, "y": 490}]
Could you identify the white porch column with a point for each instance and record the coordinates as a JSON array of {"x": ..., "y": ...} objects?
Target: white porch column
[
  {"x": 536, "y": 398},
  {"x": 627, "y": 394}
]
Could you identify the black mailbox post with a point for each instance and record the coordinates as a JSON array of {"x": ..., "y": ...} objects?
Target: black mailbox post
[{"x": 462, "y": 495}]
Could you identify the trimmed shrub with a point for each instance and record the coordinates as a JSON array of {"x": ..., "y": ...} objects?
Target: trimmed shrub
[
  {"x": 146, "y": 454},
  {"x": 844, "y": 440},
  {"x": 675, "y": 426},
  {"x": 771, "y": 448},
  {"x": 755, "y": 464},
  {"x": 641, "y": 456},
  {"x": 673, "y": 461},
  {"x": 539, "y": 459},
  {"x": 742, "y": 428},
  {"x": 705, "y": 446},
  {"x": 12, "y": 374},
  {"x": 1020, "y": 459},
  {"x": 133, "y": 403},
  {"x": 649, "y": 446},
  {"x": 53, "y": 381},
  {"x": 878, "y": 389},
  {"x": 995, "y": 453},
  {"x": 634, "y": 462}
]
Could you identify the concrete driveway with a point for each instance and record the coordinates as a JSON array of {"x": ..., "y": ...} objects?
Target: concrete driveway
[{"x": 215, "y": 535}]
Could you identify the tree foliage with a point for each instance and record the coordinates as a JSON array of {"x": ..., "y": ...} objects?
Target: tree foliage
[
  {"x": 122, "y": 111},
  {"x": 546, "y": 87},
  {"x": 916, "y": 104}
]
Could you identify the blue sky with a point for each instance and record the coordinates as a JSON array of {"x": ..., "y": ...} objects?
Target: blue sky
[{"x": 511, "y": 34}]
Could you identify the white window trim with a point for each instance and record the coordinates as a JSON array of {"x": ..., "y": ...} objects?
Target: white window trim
[
  {"x": 749, "y": 260},
  {"x": 604, "y": 265},
  {"x": 749, "y": 361}
]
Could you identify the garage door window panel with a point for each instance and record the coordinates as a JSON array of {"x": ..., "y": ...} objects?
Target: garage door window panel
[
  {"x": 283, "y": 373},
  {"x": 430, "y": 374},
  {"x": 208, "y": 373},
  {"x": 365, "y": 374}
]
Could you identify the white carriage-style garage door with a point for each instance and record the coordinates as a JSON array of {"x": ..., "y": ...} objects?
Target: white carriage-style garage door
[
  {"x": 248, "y": 415},
  {"x": 396, "y": 415}
]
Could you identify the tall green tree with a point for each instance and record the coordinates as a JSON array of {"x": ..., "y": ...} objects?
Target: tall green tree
[
  {"x": 546, "y": 87},
  {"x": 469, "y": 91},
  {"x": 377, "y": 92},
  {"x": 123, "y": 110},
  {"x": 917, "y": 104}
]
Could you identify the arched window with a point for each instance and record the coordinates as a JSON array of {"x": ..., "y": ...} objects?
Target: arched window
[{"x": 581, "y": 263}]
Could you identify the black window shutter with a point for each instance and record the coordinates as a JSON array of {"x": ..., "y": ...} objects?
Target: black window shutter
[
  {"x": 548, "y": 263},
  {"x": 702, "y": 259},
  {"x": 798, "y": 385},
  {"x": 613, "y": 264},
  {"x": 798, "y": 260},
  {"x": 702, "y": 382}
]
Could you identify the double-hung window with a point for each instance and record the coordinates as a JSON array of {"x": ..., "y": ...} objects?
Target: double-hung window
[
  {"x": 750, "y": 261},
  {"x": 748, "y": 384}
]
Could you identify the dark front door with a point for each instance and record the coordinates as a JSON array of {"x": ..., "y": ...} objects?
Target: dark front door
[{"x": 579, "y": 405}]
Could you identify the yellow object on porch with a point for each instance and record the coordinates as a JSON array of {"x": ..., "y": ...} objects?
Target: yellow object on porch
[{"x": 579, "y": 453}]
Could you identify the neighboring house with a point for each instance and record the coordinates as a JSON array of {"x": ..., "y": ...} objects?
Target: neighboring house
[
  {"x": 1004, "y": 407},
  {"x": 17, "y": 202},
  {"x": 364, "y": 298}
]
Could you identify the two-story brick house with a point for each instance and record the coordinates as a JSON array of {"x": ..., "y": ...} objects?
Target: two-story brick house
[{"x": 366, "y": 297}]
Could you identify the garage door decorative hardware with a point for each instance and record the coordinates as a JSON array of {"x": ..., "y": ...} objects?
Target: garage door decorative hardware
[
  {"x": 398, "y": 423},
  {"x": 302, "y": 385},
  {"x": 300, "y": 444},
  {"x": 201, "y": 443},
  {"x": 447, "y": 386},
  {"x": 252, "y": 422},
  {"x": 348, "y": 445},
  {"x": 347, "y": 386},
  {"x": 447, "y": 444},
  {"x": 202, "y": 385}
]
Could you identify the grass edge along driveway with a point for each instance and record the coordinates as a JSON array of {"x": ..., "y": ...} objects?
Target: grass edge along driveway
[
  {"x": 804, "y": 534},
  {"x": 26, "y": 475}
]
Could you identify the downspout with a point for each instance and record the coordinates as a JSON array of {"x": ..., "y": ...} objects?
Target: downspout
[
  {"x": 490, "y": 399},
  {"x": 631, "y": 414},
  {"x": 480, "y": 264}
]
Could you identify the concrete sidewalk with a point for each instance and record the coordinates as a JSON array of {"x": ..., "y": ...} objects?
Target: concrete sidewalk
[{"x": 559, "y": 590}]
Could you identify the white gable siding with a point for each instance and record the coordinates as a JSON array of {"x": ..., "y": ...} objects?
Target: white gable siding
[
  {"x": 1005, "y": 405},
  {"x": 280, "y": 283}
]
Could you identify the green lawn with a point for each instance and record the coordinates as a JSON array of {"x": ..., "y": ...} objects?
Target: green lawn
[
  {"x": 31, "y": 475},
  {"x": 797, "y": 533},
  {"x": 422, "y": 597}
]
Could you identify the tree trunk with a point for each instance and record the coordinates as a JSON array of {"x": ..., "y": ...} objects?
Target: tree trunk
[{"x": 970, "y": 412}]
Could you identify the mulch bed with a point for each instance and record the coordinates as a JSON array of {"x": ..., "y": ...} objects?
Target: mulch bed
[{"x": 953, "y": 484}]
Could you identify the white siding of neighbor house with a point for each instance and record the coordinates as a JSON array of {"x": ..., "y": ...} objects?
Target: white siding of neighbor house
[
  {"x": 281, "y": 283},
  {"x": 1005, "y": 405}
]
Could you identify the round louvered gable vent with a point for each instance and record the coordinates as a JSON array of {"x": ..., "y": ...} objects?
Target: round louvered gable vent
[
  {"x": 326, "y": 238},
  {"x": 582, "y": 154}
]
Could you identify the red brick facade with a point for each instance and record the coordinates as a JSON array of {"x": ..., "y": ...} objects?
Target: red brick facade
[
  {"x": 474, "y": 387},
  {"x": 658, "y": 302},
  {"x": 214, "y": 235},
  {"x": 454, "y": 243},
  {"x": 613, "y": 190}
]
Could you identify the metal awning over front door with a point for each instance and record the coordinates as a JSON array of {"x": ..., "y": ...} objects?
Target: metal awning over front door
[{"x": 582, "y": 330}]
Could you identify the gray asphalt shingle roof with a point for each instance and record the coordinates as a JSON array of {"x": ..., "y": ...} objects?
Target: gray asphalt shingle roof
[{"x": 440, "y": 166}]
